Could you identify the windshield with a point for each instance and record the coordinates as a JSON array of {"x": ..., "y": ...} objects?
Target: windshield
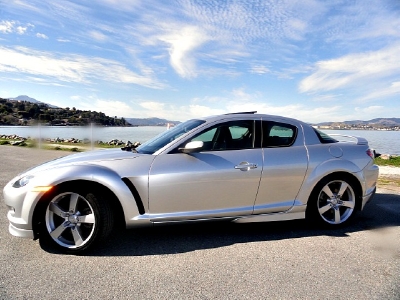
[{"x": 168, "y": 136}]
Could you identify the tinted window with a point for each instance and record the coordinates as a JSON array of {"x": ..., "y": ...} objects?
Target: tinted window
[
  {"x": 233, "y": 135},
  {"x": 278, "y": 134},
  {"x": 324, "y": 138}
]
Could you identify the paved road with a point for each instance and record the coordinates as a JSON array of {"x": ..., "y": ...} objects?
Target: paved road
[{"x": 282, "y": 260}]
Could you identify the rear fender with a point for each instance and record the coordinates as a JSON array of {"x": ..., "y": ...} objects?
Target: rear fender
[{"x": 326, "y": 168}]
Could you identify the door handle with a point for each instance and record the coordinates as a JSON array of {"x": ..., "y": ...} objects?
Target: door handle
[{"x": 245, "y": 166}]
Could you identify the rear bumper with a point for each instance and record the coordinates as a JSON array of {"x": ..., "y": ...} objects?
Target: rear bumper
[{"x": 368, "y": 198}]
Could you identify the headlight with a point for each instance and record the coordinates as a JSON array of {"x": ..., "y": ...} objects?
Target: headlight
[{"x": 22, "y": 181}]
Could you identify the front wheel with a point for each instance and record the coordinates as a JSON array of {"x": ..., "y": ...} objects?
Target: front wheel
[
  {"x": 74, "y": 220},
  {"x": 333, "y": 201}
]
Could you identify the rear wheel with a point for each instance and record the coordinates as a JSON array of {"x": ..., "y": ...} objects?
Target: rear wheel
[
  {"x": 333, "y": 201},
  {"x": 75, "y": 220}
]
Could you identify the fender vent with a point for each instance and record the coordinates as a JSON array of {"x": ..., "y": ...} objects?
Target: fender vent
[{"x": 135, "y": 194}]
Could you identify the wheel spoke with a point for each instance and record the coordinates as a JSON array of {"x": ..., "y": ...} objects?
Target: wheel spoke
[
  {"x": 324, "y": 209},
  {"x": 337, "y": 216},
  {"x": 77, "y": 236},
  {"x": 343, "y": 188},
  {"x": 349, "y": 204},
  {"x": 73, "y": 202},
  {"x": 327, "y": 191},
  {"x": 71, "y": 219},
  {"x": 56, "y": 233},
  {"x": 87, "y": 219},
  {"x": 55, "y": 209}
]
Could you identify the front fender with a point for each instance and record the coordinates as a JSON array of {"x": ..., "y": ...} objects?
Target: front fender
[{"x": 94, "y": 173}]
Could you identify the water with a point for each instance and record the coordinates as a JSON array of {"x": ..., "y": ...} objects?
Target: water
[
  {"x": 104, "y": 134},
  {"x": 385, "y": 142}
]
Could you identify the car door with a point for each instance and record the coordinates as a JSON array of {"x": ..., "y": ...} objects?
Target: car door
[
  {"x": 285, "y": 166},
  {"x": 220, "y": 180}
]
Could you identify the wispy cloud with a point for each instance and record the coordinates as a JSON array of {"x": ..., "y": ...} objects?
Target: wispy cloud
[
  {"x": 98, "y": 36},
  {"x": 42, "y": 36},
  {"x": 359, "y": 20},
  {"x": 152, "y": 105},
  {"x": 122, "y": 5},
  {"x": 112, "y": 107},
  {"x": 354, "y": 70},
  {"x": 259, "y": 69},
  {"x": 181, "y": 44},
  {"x": 8, "y": 27},
  {"x": 388, "y": 90},
  {"x": 69, "y": 68}
]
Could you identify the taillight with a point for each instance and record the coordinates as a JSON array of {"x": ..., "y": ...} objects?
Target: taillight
[{"x": 371, "y": 153}]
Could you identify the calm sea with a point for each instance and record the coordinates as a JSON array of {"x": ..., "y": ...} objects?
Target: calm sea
[{"x": 387, "y": 142}]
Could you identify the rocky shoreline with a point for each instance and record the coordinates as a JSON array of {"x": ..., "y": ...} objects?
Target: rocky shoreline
[{"x": 18, "y": 140}]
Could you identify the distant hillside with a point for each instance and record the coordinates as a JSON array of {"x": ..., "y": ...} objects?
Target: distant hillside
[
  {"x": 31, "y": 100},
  {"x": 23, "y": 112},
  {"x": 150, "y": 122},
  {"x": 384, "y": 122}
]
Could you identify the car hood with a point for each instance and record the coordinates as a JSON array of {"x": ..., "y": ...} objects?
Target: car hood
[{"x": 86, "y": 158}]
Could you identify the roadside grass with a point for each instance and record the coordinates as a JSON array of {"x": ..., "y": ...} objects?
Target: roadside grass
[{"x": 392, "y": 162}]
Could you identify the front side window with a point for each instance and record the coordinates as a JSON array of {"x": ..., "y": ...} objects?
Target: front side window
[
  {"x": 233, "y": 135},
  {"x": 276, "y": 134}
]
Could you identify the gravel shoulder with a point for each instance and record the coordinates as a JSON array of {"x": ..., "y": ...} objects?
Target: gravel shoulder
[
  {"x": 389, "y": 179},
  {"x": 389, "y": 171}
]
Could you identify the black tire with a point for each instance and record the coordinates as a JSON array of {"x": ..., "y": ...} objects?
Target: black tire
[
  {"x": 74, "y": 219},
  {"x": 333, "y": 201}
]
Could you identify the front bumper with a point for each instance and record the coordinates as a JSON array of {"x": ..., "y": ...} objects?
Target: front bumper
[
  {"x": 21, "y": 203},
  {"x": 19, "y": 232}
]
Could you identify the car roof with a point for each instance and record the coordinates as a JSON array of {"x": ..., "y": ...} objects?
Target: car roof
[{"x": 251, "y": 115}]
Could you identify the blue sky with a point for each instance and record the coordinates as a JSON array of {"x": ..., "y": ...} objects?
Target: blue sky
[{"x": 312, "y": 60}]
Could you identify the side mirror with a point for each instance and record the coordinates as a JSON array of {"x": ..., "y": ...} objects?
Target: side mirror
[{"x": 192, "y": 147}]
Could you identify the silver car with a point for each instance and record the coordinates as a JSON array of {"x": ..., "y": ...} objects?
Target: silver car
[{"x": 243, "y": 167}]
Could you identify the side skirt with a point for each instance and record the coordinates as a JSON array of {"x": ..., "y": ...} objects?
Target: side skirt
[
  {"x": 293, "y": 214},
  {"x": 297, "y": 212}
]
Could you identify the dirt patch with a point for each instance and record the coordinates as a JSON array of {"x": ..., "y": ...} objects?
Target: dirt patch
[{"x": 389, "y": 182}]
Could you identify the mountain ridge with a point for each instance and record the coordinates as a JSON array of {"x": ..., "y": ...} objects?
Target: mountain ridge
[
  {"x": 385, "y": 122},
  {"x": 375, "y": 121},
  {"x": 32, "y": 100},
  {"x": 150, "y": 122}
]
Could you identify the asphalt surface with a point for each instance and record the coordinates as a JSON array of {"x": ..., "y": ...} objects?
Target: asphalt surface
[{"x": 278, "y": 260}]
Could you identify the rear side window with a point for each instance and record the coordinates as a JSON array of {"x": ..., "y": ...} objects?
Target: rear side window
[
  {"x": 324, "y": 138},
  {"x": 277, "y": 134}
]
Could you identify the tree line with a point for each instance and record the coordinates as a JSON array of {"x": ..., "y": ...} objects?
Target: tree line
[{"x": 14, "y": 112}]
